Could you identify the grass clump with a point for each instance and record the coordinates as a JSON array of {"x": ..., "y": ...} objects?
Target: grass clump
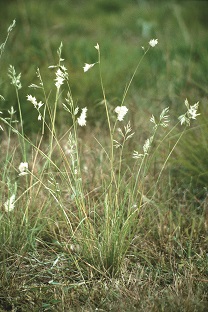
[{"x": 90, "y": 227}]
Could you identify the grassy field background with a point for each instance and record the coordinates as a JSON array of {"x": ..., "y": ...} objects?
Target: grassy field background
[
  {"x": 81, "y": 237},
  {"x": 176, "y": 70}
]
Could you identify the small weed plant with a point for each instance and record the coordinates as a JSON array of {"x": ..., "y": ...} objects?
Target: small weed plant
[{"x": 47, "y": 199}]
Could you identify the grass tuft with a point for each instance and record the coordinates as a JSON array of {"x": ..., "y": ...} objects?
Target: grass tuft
[{"x": 94, "y": 218}]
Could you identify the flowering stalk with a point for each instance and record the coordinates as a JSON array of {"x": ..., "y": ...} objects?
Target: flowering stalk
[
  {"x": 145, "y": 159},
  {"x": 103, "y": 90},
  {"x": 190, "y": 114},
  {"x": 126, "y": 135},
  {"x": 15, "y": 81},
  {"x": 61, "y": 76},
  {"x": 152, "y": 43},
  {"x": 7, "y": 158},
  {"x": 107, "y": 114},
  {"x": 2, "y": 46}
]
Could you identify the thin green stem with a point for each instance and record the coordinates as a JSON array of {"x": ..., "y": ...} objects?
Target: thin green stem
[
  {"x": 22, "y": 127},
  {"x": 106, "y": 105},
  {"x": 132, "y": 77},
  {"x": 168, "y": 157}
]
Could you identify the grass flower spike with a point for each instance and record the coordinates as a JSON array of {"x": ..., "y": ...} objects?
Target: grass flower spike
[
  {"x": 97, "y": 47},
  {"x": 190, "y": 114},
  {"x": 36, "y": 104},
  {"x": 88, "y": 66},
  {"x": 60, "y": 77},
  {"x": 192, "y": 111},
  {"x": 9, "y": 204},
  {"x": 153, "y": 42},
  {"x": 33, "y": 100},
  {"x": 82, "y": 119},
  {"x": 121, "y": 111},
  {"x": 15, "y": 79},
  {"x": 23, "y": 167},
  {"x": 163, "y": 120}
]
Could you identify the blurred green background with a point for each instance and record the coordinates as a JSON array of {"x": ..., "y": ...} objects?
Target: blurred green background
[{"x": 175, "y": 69}]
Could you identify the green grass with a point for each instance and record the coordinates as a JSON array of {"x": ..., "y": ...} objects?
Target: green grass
[
  {"x": 79, "y": 26},
  {"x": 91, "y": 227}
]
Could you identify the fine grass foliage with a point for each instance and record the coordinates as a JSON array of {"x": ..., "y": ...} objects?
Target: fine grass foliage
[{"x": 94, "y": 213}]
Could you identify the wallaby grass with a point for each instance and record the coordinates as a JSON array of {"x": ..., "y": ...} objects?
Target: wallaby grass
[
  {"x": 87, "y": 231},
  {"x": 46, "y": 268}
]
